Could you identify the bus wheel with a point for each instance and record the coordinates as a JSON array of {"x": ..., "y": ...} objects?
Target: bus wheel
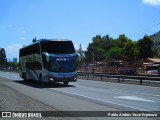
[
  {"x": 40, "y": 79},
  {"x": 24, "y": 77},
  {"x": 65, "y": 83}
]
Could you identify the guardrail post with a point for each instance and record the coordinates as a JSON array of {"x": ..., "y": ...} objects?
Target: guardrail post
[
  {"x": 118, "y": 79},
  {"x": 140, "y": 81},
  {"x": 87, "y": 76},
  {"x": 123, "y": 78},
  {"x": 101, "y": 78}
]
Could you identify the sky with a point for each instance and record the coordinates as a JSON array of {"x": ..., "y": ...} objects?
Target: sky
[{"x": 77, "y": 20}]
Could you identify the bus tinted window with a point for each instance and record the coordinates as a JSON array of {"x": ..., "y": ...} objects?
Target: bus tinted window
[
  {"x": 33, "y": 49},
  {"x": 58, "y": 47},
  {"x": 33, "y": 65}
]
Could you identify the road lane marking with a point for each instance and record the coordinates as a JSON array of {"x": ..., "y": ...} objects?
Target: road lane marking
[
  {"x": 155, "y": 95},
  {"x": 134, "y": 98},
  {"x": 136, "y": 92},
  {"x": 97, "y": 99}
]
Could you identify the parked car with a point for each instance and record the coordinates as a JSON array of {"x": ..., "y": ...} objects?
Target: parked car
[
  {"x": 4, "y": 68},
  {"x": 151, "y": 72},
  {"x": 128, "y": 72},
  {"x": 10, "y": 69}
]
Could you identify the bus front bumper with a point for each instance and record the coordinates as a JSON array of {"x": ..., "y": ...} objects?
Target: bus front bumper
[{"x": 64, "y": 79}]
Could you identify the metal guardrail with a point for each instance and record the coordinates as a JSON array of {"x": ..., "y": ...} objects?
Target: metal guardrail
[
  {"x": 14, "y": 71},
  {"x": 122, "y": 77}
]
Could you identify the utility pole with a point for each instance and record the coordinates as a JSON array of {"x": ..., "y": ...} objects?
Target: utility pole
[{"x": 93, "y": 56}]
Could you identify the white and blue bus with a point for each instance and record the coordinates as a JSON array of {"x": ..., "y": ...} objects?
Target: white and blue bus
[{"x": 48, "y": 61}]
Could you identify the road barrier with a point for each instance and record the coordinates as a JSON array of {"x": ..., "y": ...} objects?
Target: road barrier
[{"x": 122, "y": 77}]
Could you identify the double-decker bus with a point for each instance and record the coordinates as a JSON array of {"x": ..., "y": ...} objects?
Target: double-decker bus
[{"x": 48, "y": 61}]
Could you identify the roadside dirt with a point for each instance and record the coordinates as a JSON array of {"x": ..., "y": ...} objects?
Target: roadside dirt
[{"x": 12, "y": 100}]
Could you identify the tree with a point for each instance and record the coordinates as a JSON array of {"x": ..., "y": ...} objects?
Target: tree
[
  {"x": 122, "y": 40},
  {"x": 145, "y": 46},
  {"x": 99, "y": 54},
  {"x": 97, "y": 49},
  {"x": 131, "y": 51},
  {"x": 82, "y": 54},
  {"x": 157, "y": 56},
  {"x": 89, "y": 53},
  {"x": 115, "y": 53},
  {"x": 3, "y": 59},
  {"x": 80, "y": 50},
  {"x": 105, "y": 47}
]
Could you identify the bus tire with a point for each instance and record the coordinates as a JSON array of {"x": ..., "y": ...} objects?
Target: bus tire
[
  {"x": 40, "y": 79},
  {"x": 66, "y": 83},
  {"x": 24, "y": 77}
]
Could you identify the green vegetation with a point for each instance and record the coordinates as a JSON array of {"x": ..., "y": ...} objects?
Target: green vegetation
[
  {"x": 106, "y": 48},
  {"x": 156, "y": 44},
  {"x": 13, "y": 64}
]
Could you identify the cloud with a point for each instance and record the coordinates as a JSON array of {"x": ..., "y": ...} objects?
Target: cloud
[
  {"x": 157, "y": 28},
  {"x": 6, "y": 26},
  {"x": 9, "y": 26},
  {"x": 12, "y": 51},
  {"x": 152, "y": 2},
  {"x": 23, "y": 38},
  {"x": 23, "y": 31},
  {"x": 3, "y": 26}
]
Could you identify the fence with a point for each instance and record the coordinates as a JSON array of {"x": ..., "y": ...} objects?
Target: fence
[
  {"x": 122, "y": 77},
  {"x": 9, "y": 69}
]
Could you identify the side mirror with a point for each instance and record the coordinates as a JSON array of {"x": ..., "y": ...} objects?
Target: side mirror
[
  {"x": 46, "y": 55},
  {"x": 47, "y": 58},
  {"x": 78, "y": 57}
]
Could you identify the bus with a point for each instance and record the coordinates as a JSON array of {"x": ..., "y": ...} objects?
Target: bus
[{"x": 48, "y": 61}]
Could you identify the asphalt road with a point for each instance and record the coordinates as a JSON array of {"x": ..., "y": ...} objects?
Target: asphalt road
[{"x": 87, "y": 95}]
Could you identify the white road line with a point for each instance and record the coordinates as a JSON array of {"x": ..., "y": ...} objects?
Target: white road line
[
  {"x": 133, "y": 98},
  {"x": 155, "y": 95},
  {"x": 136, "y": 92},
  {"x": 84, "y": 96},
  {"x": 128, "y": 91}
]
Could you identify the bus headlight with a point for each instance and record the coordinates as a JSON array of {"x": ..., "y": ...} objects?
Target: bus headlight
[{"x": 50, "y": 78}]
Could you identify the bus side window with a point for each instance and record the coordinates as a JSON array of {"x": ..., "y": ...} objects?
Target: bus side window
[
  {"x": 44, "y": 61},
  {"x": 38, "y": 66},
  {"x": 33, "y": 65}
]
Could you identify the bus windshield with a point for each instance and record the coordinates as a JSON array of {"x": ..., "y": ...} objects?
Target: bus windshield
[
  {"x": 57, "y": 47},
  {"x": 62, "y": 64}
]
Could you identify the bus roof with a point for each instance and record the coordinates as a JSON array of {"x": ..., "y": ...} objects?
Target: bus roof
[
  {"x": 54, "y": 40},
  {"x": 40, "y": 40}
]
